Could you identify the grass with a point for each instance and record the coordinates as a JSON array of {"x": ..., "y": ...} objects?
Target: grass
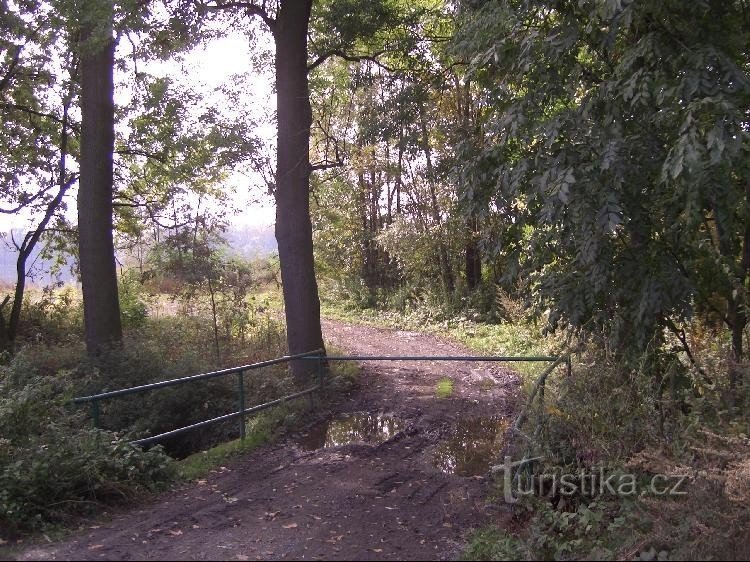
[
  {"x": 199, "y": 464},
  {"x": 444, "y": 388}
]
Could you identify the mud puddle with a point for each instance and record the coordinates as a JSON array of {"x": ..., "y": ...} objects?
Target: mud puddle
[
  {"x": 473, "y": 446},
  {"x": 360, "y": 427}
]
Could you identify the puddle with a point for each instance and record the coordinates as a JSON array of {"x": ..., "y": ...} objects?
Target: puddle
[
  {"x": 473, "y": 446},
  {"x": 363, "y": 427}
]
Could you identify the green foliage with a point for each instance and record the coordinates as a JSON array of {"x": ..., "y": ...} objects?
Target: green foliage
[
  {"x": 133, "y": 300},
  {"x": 33, "y": 83},
  {"x": 51, "y": 466},
  {"x": 493, "y": 544},
  {"x": 444, "y": 388},
  {"x": 173, "y": 347},
  {"x": 594, "y": 530},
  {"x": 618, "y": 144},
  {"x": 54, "y": 316}
]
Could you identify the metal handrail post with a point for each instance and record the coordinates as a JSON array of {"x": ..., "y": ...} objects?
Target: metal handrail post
[
  {"x": 321, "y": 372},
  {"x": 241, "y": 400},
  {"x": 95, "y": 413}
]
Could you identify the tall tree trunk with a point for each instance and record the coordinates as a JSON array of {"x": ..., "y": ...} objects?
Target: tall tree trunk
[
  {"x": 473, "y": 258},
  {"x": 368, "y": 265},
  {"x": 293, "y": 224},
  {"x": 736, "y": 317},
  {"x": 739, "y": 305},
  {"x": 5, "y": 343},
  {"x": 101, "y": 308},
  {"x": 445, "y": 265},
  {"x": 399, "y": 168},
  {"x": 472, "y": 255}
]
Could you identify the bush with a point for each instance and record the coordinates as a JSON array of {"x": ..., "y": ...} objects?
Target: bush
[
  {"x": 133, "y": 300},
  {"x": 646, "y": 414},
  {"x": 55, "y": 317},
  {"x": 51, "y": 466}
]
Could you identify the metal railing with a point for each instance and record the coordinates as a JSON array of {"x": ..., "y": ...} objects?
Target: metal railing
[{"x": 316, "y": 355}]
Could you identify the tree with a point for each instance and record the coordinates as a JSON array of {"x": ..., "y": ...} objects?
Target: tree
[
  {"x": 618, "y": 140},
  {"x": 96, "y": 244},
  {"x": 290, "y": 24},
  {"x": 397, "y": 131},
  {"x": 37, "y": 91},
  {"x": 292, "y": 190}
]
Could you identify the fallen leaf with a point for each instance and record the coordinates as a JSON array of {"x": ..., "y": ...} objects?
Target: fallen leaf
[{"x": 334, "y": 540}]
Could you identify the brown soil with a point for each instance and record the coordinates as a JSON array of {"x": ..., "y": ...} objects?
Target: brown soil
[{"x": 353, "y": 502}]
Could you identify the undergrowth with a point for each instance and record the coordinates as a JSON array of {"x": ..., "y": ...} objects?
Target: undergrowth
[
  {"x": 660, "y": 414},
  {"x": 54, "y": 466}
]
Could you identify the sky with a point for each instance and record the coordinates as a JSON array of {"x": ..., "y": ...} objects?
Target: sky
[
  {"x": 209, "y": 67},
  {"x": 204, "y": 69}
]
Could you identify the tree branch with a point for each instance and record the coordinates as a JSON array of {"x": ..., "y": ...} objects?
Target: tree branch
[
  {"x": 250, "y": 8},
  {"x": 326, "y": 165},
  {"x": 25, "y": 203},
  {"x": 30, "y": 111},
  {"x": 144, "y": 153},
  {"x": 680, "y": 334},
  {"x": 351, "y": 58}
]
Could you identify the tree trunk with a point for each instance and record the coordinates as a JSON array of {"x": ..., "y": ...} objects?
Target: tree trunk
[
  {"x": 101, "y": 308},
  {"x": 473, "y": 258},
  {"x": 5, "y": 343},
  {"x": 293, "y": 224},
  {"x": 445, "y": 266},
  {"x": 738, "y": 312},
  {"x": 368, "y": 264},
  {"x": 212, "y": 294}
]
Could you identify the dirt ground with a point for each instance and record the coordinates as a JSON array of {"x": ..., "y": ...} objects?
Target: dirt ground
[{"x": 357, "y": 501}]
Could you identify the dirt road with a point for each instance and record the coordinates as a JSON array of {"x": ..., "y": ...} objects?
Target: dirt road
[{"x": 395, "y": 473}]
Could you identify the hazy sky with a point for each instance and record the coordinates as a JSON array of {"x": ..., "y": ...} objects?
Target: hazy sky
[
  {"x": 207, "y": 68},
  {"x": 204, "y": 69}
]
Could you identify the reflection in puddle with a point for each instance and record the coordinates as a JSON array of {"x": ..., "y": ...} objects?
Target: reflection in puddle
[
  {"x": 350, "y": 428},
  {"x": 472, "y": 447}
]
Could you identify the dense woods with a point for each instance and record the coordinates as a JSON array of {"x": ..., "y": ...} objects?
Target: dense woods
[{"x": 528, "y": 176}]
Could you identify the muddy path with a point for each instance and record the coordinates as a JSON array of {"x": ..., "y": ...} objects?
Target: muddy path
[{"x": 396, "y": 472}]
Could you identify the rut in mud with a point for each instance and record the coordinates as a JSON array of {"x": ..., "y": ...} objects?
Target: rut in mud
[{"x": 397, "y": 472}]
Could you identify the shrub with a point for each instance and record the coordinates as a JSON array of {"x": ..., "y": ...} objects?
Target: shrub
[
  {"x": 51, "y": 466},
  {"x": 133, "y": 300},
  {"x": 56, "y": 316}
]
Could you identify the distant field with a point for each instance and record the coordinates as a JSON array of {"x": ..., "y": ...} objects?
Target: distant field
[{"x": 246, "y": 241}]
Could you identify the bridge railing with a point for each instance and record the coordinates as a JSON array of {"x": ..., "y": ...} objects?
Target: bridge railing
[{"x": 317, "y": 355}]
